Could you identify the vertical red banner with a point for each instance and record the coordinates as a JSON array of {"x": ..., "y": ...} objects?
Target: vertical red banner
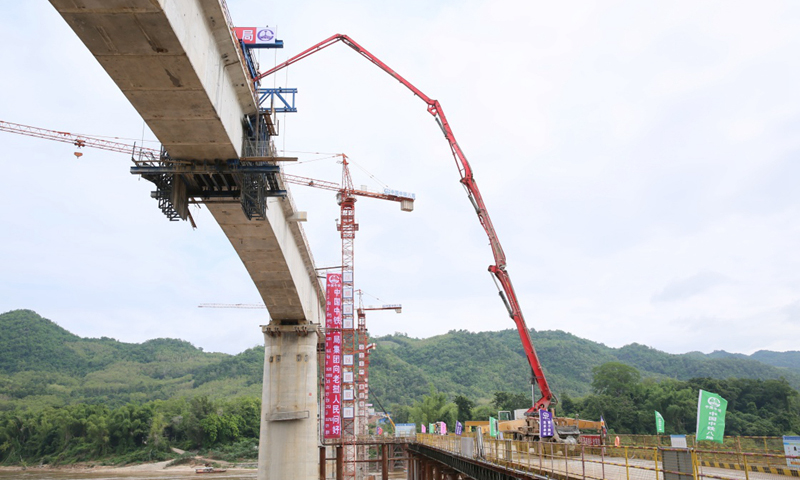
[{"x": 332, "y": 425}]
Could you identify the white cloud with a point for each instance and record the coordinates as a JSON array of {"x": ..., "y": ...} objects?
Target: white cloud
[
  {"x": 689, "y": 287},
  {"x": 638, "y": 161}
]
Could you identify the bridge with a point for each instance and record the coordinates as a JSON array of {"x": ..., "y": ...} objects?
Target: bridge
[
  {"x": 179, "y": 64},
  {"x": 640, "y": 457}
]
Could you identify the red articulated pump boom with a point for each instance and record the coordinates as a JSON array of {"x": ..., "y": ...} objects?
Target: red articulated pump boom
[{"x": 474, "y": 194}]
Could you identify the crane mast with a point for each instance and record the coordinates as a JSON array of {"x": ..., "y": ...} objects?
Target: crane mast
[
  {"x": 354, "y": 328},
  {"x": 498, "y": 269},
  {"x": 364, "y": 350}
]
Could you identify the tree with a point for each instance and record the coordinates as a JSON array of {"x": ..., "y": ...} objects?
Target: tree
[
  {"x": 567, "y": 405},
  {"x": 400, "y": 413},
  {"x": 465, "y": 406},
  {"x": 615, "y": 379},
  {"x": 434, "y": 407},
  {"x": 511, "y": 401},
  {"x": 483, "y": 412}
]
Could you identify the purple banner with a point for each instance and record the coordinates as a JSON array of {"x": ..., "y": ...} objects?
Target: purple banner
[
  {"x": 546, "y": 427},
  {"x": 459, "y": 428}
]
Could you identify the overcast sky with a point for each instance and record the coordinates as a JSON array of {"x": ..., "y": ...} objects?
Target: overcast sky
[{"x": 639, "y": 161}]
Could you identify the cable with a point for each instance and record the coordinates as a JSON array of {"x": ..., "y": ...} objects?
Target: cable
[
  {"x": 310, "y": 153},
  {"x": 307, "y": 161},
  {"x": 118, "y": 138},
  {"x": 373, "y": 177},
  {"x": 369, "y": 391},
  {"x": 370, "y": 295}
]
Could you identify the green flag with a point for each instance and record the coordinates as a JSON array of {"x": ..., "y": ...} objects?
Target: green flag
[
  {"x": 493, "y": 426},
  {"x": 659, "y": 423},
  {"x": 430, "y": 428},
  {"x": 711, "y": 416}
]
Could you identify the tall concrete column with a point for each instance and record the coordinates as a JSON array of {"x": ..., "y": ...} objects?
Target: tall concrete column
[{"x": 289, "y": 408}]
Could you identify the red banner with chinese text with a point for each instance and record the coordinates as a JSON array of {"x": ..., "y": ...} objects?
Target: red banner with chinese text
[
  {"x": 591, "y": 440},
  {"x": 332, "y": 425}
]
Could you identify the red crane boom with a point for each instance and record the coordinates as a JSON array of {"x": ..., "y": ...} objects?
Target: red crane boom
[{"x": 474, "y": 194}]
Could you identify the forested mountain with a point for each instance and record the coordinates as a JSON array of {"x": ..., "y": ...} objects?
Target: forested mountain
[
  {"x": 41, "y": 364},
  {"x": 477, "y": 364},
  {"x": 66, "y": 399}
]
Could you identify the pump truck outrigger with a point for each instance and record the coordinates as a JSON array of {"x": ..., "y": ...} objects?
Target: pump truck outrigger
[{"x": 506, "y": 290}]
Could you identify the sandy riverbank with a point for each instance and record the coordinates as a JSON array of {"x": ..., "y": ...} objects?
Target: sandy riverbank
[{"x": 141, "y": 468}]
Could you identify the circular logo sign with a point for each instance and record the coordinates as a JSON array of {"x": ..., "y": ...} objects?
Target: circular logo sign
[
  {"x": 265, "y": 34},
  {"x": 714, "y": 401}
]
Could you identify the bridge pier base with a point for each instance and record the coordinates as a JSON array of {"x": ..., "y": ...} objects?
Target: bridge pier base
[{"x": 289, "y": 404}]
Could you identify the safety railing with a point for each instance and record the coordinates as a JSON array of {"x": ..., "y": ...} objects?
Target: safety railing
[
  {"x": 761, "y": 444},
  {"x": 610, "y": 462},
  {"x": 367, "y": 440}
]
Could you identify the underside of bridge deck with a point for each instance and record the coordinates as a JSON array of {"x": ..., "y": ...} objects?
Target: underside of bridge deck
[{"x": 180, "y": 66}]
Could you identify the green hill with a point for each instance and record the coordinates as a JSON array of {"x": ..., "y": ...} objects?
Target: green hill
[
  {"x": 478, "y": 364},
  {"x": 42, "y": 364}
]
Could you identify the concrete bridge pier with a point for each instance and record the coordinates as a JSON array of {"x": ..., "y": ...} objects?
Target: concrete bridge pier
[{"x": 289, "y": 407}]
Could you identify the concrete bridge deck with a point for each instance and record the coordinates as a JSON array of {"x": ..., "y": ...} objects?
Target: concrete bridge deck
[{"x": 179, "y": 64}]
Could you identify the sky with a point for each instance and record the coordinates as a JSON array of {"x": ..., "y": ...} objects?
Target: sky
[{"x": 639, "y": 161}]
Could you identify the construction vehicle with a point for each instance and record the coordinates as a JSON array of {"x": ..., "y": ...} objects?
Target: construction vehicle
[
  {"x": 517, "y": 425},
  {"x": 498, "y": 269}
]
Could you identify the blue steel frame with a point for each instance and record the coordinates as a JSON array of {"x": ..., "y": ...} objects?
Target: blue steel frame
[
  {"x": 248, "y": 57},
  {"x": 265, "y": 94}
]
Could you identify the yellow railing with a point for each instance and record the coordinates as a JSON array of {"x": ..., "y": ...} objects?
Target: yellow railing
[
  {"x": 626, "y": 462},
  {"x": 772, "y": 445}
]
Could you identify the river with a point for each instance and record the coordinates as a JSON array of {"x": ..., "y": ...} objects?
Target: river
[{"x": 36, "y": 474}]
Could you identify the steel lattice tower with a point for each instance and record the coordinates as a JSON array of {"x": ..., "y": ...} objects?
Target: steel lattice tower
[{"x": 348, "y": 227}]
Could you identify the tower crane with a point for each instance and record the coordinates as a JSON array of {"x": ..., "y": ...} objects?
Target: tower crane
[
  {"x": 351, "y": 333},
  {"x": 78, "y": 140},
  {"x": 498, "y": 269},
  {"x": 364, "y": 350}
]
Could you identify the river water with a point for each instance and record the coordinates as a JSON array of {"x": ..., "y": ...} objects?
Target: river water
[{"x": 111, "y": 475}]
